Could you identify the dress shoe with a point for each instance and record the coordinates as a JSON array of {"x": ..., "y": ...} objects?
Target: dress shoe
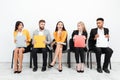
[
  {"x": 34, "y": 69},
  {"x": 106, "y": 70},
  {"x": 19, "y": 71},
  {"x": 60, "y": 70},
  {"x": 99, "y": 70},
  {"x": 50, "y": 66},
  {"x": 15, "y": 71},
  {"x": 82, "y": 71},
  {"x": 43, "y": 68}
]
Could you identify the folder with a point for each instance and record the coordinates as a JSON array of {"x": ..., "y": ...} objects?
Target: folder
[
  {"x": 20, "y": 41},
  {"x": 79, "y": 41},
  {"x": 39, "y": 41}
]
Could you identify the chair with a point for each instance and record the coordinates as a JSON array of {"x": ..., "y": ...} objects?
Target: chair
[
  {"x": 71, "y": 44},
  {"x": 89, "y": 54}
]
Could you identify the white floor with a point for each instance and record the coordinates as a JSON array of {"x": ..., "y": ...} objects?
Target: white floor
[{"x": 6, "y": 73}]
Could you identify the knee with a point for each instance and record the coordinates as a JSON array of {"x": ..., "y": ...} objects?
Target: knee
[
  {"x": 20, "y": 51},
  {"x": 110, "y": 51}
]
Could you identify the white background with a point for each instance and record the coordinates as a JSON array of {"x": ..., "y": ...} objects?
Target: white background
[{"x": 68, "y": 11}]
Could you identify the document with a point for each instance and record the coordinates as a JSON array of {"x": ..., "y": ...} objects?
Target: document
[
  {"x": 21, "y": 41},
  {"x": 79, "y": 41},
  {"x": 102, "y": 41},
  {"x": 39, "y": 41}
]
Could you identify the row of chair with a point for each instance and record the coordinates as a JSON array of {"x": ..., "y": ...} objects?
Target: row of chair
[{"x": 65, "y": 50}]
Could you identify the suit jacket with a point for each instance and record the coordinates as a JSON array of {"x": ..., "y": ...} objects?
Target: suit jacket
[{"x": 91, "y": 41}]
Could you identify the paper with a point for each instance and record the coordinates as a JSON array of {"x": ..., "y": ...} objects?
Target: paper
[
  {"x": 79, "y": 41},
  {"x": 102, "y": 41},
  {"x": 21, "y": 41},
  {"x": 39, "y": 41}
]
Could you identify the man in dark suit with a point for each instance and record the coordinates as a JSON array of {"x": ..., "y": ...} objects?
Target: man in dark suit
[{"x": 98, "y": 43}]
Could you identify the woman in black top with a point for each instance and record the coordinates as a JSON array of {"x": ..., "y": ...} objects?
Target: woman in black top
[{"x": 79, "y": 51}]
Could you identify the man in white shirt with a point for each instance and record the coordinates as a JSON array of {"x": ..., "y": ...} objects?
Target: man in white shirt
[{"x": 98, "y": 42}]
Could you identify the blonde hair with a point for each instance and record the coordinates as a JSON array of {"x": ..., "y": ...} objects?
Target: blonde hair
[{"x": 83, "y": 26}]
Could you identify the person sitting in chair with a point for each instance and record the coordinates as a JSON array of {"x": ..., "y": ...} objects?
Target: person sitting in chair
[
  {"x": 22, "y": 41},
  {"x": 60, "y": 36},
  {"x": 98, "y": 42},
  {"x": 80, "y": 50},
  {"x": 40, "y": 34}
]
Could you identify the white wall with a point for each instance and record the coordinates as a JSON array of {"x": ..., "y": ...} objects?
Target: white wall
[{"x": 68, "y": 11}]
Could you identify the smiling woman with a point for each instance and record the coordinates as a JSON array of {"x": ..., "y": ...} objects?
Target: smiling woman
[{"x": 68, "y": 11}]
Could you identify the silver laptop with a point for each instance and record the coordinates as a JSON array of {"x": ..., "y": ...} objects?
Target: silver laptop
[{"x": 20, "y": 41}]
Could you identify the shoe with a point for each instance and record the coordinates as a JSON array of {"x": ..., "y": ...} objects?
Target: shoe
[
  {"x": 99, "y": 70},
  {"x": 19, "y": 70},
  {"x": 82, "y": 71},
  {"x": 34, "y": 69},
  {"x": 106, "y": 70},
  {"x": 50, "y": 66},
  {"x": 43, "y": 68},
  {"x": 15, "y": 71},
  {"x": 60, "y": 69}
]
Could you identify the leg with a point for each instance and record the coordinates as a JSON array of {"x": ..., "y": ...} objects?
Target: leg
[
  {"x": 82, "y": 56},
  {"x": 16, "y": 52},
  {"x": 108, "y": 53},
  {"x": 98, "y": 52},
  {"x": 34, "y": 55},
  {"x": 56, "y": 55},
  {"x": 77, "y": 59},
  {"x": 60, "y": 57},
  {"x": 44, "y": 52},
  {"x": 21, "y": 50}
]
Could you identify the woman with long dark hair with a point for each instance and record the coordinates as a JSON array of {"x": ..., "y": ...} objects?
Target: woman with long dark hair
[
  {"x": 20, "y": 34},
  {"x": 60, "y": 36}
]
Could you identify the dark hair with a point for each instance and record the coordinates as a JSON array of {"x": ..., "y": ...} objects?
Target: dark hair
[
  {"x": 42, "y": 21},
  {"x": 56, "y": 29},
  {"x": 100, "y": 19},
  {"x": 17, "y": 24}
]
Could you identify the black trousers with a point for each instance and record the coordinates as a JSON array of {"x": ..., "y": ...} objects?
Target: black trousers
[
  {"x": 108, "y": 53},
  {"x": 79, "y": 52},
  {"x": 34, "y": 55}
]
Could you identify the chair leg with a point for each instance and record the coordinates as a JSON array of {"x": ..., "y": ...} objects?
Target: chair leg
[
  {"x": 87, "y": 59},
  {"x": 50, "y": 58},
  {"x": 30, "y": 60},
  {"x": 12, "y": 60},
  {"x": 110, "y": 65},
  {"x": 68, "y": 59},
  {"x": 90, "y": 60}
]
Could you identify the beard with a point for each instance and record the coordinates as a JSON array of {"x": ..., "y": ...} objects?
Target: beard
[{"x": 42, "y": 28}]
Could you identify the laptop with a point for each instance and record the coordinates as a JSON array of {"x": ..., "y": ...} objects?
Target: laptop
[
  {"x": 79, "y": 41},
  {"x": 20, "y": 41}
]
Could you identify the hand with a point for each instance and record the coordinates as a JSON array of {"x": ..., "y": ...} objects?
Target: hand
[
  {"x": 52, "y": 44},
  {"x": 33, "y": 42},
  {"x": 59, "y": 32},
  {"x": 107, "y": 36},
  {"x": 84, "y": 37},
  {"x": 96, "y": 36},
  {"x": 45, "y": 42}
]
